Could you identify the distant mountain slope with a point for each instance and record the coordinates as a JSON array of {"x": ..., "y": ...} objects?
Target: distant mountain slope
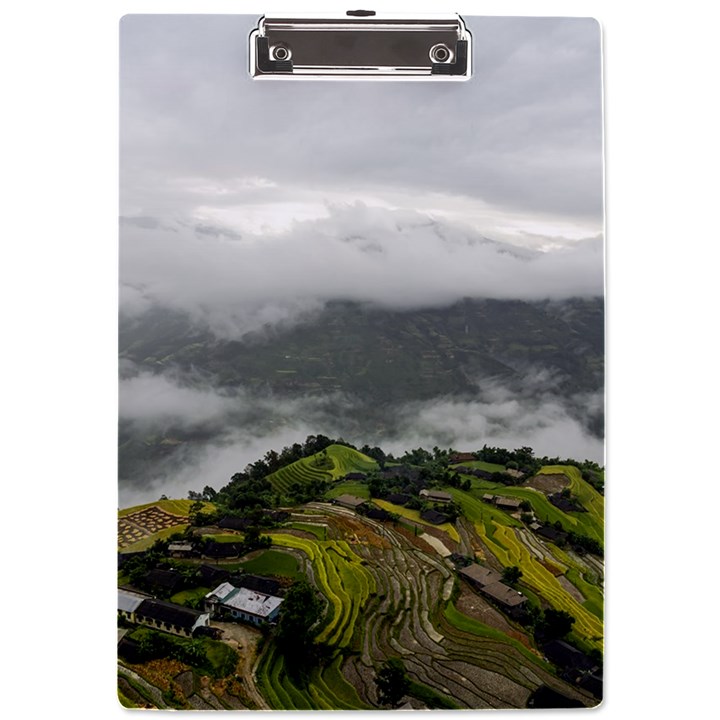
[{"x": 387, "y": 355}]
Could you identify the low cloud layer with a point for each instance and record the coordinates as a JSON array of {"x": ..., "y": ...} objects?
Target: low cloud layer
[
  {"x": 243, "y": 427},
  {"x": 237, "y": 284}
]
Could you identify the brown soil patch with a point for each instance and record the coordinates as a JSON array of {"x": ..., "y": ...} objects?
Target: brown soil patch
[
  {"x": 548, "y": 484},
  {"x": 554, "y": 569},
  {"x": 353, "y": 530},
  {"x": 475, "y": 606}
]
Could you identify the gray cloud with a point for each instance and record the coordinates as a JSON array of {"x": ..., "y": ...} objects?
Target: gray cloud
[
  {"x": 243, "y": 427},
  {"x": 523, "y": 136},
  {"x": 399, "y": 259}
]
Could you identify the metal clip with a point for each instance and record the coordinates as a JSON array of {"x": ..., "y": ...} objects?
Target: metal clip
[{"x": 361, "y": 44}]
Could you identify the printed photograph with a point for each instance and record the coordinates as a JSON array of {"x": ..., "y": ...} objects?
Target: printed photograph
[{"x": 361, "y": 433}]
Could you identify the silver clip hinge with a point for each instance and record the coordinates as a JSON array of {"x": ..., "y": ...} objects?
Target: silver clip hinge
[{"x": 361, "y": 44}]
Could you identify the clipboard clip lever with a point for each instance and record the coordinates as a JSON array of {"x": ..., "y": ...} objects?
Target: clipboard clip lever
[{"x": 361, "y": 44}]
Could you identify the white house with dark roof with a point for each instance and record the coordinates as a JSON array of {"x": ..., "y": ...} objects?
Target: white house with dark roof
[
  {"x": 243, "y": 603},
  {"x": 128, "y": 603}
]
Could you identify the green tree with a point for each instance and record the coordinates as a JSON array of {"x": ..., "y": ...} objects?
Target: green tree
[
  {"x": 392, "y": 682},
  {"x": 300, "y": 610},
  {"x": 511, "y": 575}
]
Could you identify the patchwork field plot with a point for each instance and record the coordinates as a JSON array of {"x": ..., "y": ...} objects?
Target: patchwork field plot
[{"x": 146, "y": 523}]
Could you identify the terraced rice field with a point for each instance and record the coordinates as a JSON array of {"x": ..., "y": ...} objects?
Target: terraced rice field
[
  {"x": 512, "y": 545},
  {"x": 341, "y": 460},
  {"x": 392, "y": 599}
]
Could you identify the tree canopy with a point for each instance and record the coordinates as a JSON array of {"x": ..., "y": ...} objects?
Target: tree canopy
[{"x": 392, "y": 682}]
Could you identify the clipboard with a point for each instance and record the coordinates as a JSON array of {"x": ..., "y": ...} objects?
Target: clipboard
[{"x": 361, "y": 365}]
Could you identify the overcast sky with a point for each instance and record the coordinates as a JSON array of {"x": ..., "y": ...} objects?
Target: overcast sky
[{"x": 222, "y": 176}]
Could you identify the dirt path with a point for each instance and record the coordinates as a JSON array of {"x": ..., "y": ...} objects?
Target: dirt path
[{"x": 244, "y": 639}]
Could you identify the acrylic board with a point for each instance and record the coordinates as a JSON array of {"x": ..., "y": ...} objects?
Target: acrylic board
[{"x": 361, "y": 432}]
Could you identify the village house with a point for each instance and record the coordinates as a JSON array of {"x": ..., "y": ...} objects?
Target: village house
[
  {"x": 128, "y": 602},
  {"x": 511, "y": 601},
  {"x": 434, "y": 517},
  {"x": 162, "y": 581},
  {"x": 487, "y": 581},
  {"x": 349, "y": 501},
  {"x": 479, "y": 575},
  {"x": 264, "y": 585},
  {"x": 169, "y": 617},
  {"x": 488, "y": 498},
  {"x": 436, "y": 496},
  {"x": 506, "y": 503},
  {"x": 243, "y": 604},
  {"x": 181, "y": 550}
]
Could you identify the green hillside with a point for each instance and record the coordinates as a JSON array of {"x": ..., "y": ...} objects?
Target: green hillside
[{"x": 333, "y": 463}]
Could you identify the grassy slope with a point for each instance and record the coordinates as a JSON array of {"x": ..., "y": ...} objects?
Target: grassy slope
[
  {"x": 414, "y": 515},
  {"x": 175, "y": 507}
]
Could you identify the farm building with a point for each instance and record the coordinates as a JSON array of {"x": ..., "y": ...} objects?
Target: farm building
[
  {"x": 436, "y": 496},
  {"x": 434, "y": 517},
  {"x": 398, "y": 498},
  {"x": 129, "y": 602},
  {"x": 349, "y": 501},
  {"x": 164, "y": 582},
  {"x": 170, "y": 618},
  {"x": 376, "y": 513},
  {"x": 212, "y": 576},
  {"x": 510, "y": 600},
  {"x": 479, "y": 575},
  {"x": 181, "y": 550},
  {"x": 506, "y": 503},
  {"x": 355, "y": 476},
  {"x": 243, "y": 604},
  {"x": 258, "y": 583},
  {"x": 488, "y": 498}
]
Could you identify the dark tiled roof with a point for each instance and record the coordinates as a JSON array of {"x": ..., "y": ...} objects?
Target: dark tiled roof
[
  {"x": 164, "y": 579},
  {"x": 223, "y": 550},
  {"x": 375, "y": 513},
  {"x": 398, "y": 498},
  {"x": 264, "y": 585},
  {"x": 550, "y": 533},
  {"x": 355, "y": 476},
  {"x": 434, "y": 517},
  {"x": 480, "y": 574},
  {"x": 566, "y": 656},
  {"x": 504, "y": 595},
  {"x": 168, "y": 613},
  {"x": 213, "y": 575},
  {"x": 506, "y": 502}
]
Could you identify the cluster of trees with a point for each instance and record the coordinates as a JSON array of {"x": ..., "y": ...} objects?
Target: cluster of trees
[
  {"x": 522, "y": 459},
  {"x": 548, "y": 624},
  {"x": 297, "y": 627},
  {"x": 139, "y": 565}
]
